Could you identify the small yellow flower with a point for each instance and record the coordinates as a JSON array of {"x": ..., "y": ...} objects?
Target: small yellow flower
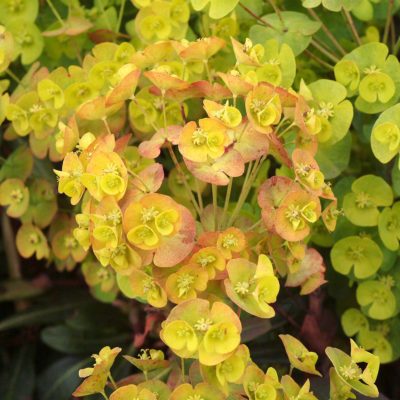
[{"x": 208, "y": 140}]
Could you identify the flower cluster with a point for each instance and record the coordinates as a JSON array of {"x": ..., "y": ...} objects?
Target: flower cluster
[{"x": 196, "y": 160}]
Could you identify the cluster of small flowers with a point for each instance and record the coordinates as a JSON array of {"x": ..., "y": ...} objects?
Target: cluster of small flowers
[{"x": 224, "y": 367}]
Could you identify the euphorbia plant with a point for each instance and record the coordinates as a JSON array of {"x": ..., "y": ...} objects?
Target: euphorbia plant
[{"x": 193, "y": 165}]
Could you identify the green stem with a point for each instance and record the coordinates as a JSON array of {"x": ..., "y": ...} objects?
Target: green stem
[
  {"x": 352, "y": 26},
  {"x": 175, "y": 160},
  {"x": 182, "y": 174},
  {"x": 114, "y": 385},
  {"x": 243, "y": 195},
  {"x": 107, "y": 126},
  {"x": 55, "y": 12},
  {"x": 281, "y": 122},
  {"x": 322, "y": 44},
  {"x": 246, "y": 189},
  {"x": 259, "y": 19},
  {"x": 120, "y": 15},
  {"x": 13, "y": 76},
  {"x": 226, "y": 204},
  {"x": 255, "y": 225},
  {"x": 215, "y": 205},
  {"x": 286, "y": 130},
  {"x": 77, "y": 51},
  {"x": 242, "y": 132},
  {"x": 396, "y": 47},
  {"x": 326, "y": 30},
  {"x": 199, "y": 196},
  {"x": 324, "y": 51},
  {"x": 392, "y": 33},
  {"x": 277, "y": 11},
  {"x": 207, "y": 67},
  {"x": 388, "y": 20},
  {"x": 183, "y": 369},
  {"x": 103, "y": 11},
  {"x": 318, "y": 60},
  {"x": 104, "y": 395}
]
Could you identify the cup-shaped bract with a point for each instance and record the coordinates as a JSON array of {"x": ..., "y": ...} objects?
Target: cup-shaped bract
[
  {"x": 347, "y": 369},
  {"x": 377, "y": 299},
  {"x": 252, "y": 287},
  {"x": 367, "y": 194},
  {"x": 193, "y": 329},
  {"x": 15, "y": 195},
  {"x": 360, "y": 256},
  {"x": 299, "y": 356},
  {"x": 385, "y": 136},
  {"x": 371, "y": 74}
]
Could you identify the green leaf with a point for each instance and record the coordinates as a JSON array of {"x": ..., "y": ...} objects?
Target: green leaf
[
  {"x": 18, "y": 289},
  {"x": 17, "y": 380},
  {"x": 220, "y": 9},
  {"x": 334, "y": 159},
  {"x": 296, "y": 30},
  {"x": 18, "y": 164},
  {"x": 70, "y": 341},
  {"x": 43, "y": 313},
  {"x": 254, "y": 328},
  {"x": 60, "y": 379}
]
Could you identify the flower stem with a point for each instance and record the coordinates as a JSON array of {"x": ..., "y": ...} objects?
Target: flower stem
[
  {"x": 326, "y": 30},
  {"x": 182, "y": 174},
  {"x": 120, "y": 15},
  {"x": 248, "y": 182},
  {"x": 242, "y": 195},
  {"x": 107, "y": 126},
  {"x": 215, "y": 204},
  {"x": 207, "y": 67},
  {"x": 388, "y": 21},
  {"x": 13, "y": 76},
  {"x": 396, "y": 47},
  {"x": 318, "y": 60},
  {"x": 255, "y": 225},
  {"x": 114, "y": 385},
  {"x": 285, "y": 130},
  {"x": 324, "y": 51},
  {"x": 255, "y": 16},
  {"x": 104, "y": 395},
  {"x": 352, "y": 26},
  {"x": 135, "y": 175},
  {"x": 226, "y": 204},
  {"x": 55, "y": 12},
  {"x": 199, "y": 196},
  {"x": 183, "y": 370},
  {"x": 277, "y": 11},
  {"x": 176, "y": 162}
]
